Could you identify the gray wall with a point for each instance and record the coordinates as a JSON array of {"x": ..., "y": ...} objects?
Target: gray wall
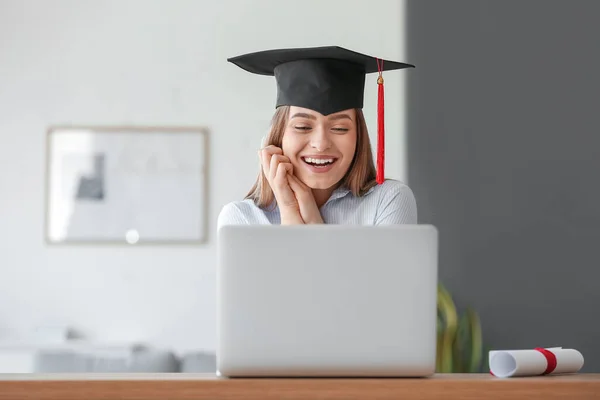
[{"x": 504, "y": 158}]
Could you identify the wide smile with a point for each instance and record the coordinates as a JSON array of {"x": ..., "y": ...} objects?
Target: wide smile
[{"x": 319, "y": 164}]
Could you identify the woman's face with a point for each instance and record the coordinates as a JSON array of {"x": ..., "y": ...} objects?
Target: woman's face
[{"x": 321, "y": 148}]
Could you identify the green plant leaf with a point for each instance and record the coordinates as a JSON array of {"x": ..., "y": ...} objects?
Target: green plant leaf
[
  {"x": 459, "y": 337},
  {"x": 462, "y": 344},
  {"x": 447, "y": 313},
  {"x": 476, "y": 341}
]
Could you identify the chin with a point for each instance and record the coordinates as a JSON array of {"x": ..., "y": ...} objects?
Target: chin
[
  {"x": 319, "y": 183},
  {"x": 320, "y": 186}
]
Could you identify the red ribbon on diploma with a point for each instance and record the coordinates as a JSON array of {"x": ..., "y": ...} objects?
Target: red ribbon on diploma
[{"x": 550, "y": 358}]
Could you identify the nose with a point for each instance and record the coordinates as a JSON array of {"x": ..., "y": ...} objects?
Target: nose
[{"x": 320, "y": 140}]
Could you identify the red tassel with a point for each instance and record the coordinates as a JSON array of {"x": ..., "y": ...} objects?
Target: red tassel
[{"x": 380, "y": 127}]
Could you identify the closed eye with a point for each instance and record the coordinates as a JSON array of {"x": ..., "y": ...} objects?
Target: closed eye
[
  {"x": 302, "y": 128},
  {"x": 341, "y": 130}
]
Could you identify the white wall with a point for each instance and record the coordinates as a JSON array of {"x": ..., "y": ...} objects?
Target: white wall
[{"x": 143, "y": 63}]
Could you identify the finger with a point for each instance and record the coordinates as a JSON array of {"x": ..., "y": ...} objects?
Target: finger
[
  {"x": 277, "y": 159},
  {"x": 298, "y": 182},
  {"x": 272, "y": 149},
  {"x": 273, "y": 167},
  {"x": 265, "y": 160},
  {"x": 281, "y": 158},
  {"x": 298, "y": 186},
  {"x": 293, "y": 179},
  {"x": 294, "y": 183},
  {"x": 266, "y": 155},
  {"x": 289, "y": 168},
  {"x": 285, "y": 169},
  {"x": 281, "y": 174}
]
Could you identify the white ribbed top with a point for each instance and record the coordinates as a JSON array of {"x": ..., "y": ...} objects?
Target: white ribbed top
[{"x": 392, "y": 202}]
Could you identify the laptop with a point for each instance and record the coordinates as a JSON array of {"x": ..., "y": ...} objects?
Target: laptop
[{"x": 327, "y": 301}]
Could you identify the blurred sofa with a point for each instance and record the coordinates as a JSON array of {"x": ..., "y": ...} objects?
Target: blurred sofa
[
  {"x": 73, "y": 357},
  {"x": 137, "y": 361}
]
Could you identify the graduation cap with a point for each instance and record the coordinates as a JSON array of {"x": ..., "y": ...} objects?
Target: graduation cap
[{"x": 324, "y": 79}]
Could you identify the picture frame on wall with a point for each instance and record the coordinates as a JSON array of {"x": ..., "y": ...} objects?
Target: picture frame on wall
[{"x": 126, "y": 185}]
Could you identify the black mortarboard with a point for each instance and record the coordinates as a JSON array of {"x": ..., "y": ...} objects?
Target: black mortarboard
[{"x": 324, "y": 79}]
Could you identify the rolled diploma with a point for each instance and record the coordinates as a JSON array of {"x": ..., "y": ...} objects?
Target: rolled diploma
[{"x": 509, "y": 363}]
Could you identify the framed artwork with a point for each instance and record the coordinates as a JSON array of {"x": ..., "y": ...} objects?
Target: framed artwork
[{"x": 128, "y": 185}]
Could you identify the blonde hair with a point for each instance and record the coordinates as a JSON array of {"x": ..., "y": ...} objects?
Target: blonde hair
[{"x": 360, "y": 177}]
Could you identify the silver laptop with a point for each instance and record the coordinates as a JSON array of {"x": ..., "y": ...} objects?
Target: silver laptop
[{"x": 327, "y": 301}]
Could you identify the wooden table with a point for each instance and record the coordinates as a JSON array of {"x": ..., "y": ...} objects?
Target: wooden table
[{"x": 198, "y": 386}]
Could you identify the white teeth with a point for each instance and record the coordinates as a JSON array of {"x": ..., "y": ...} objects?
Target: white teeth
[{"x": 318, "y": 160}]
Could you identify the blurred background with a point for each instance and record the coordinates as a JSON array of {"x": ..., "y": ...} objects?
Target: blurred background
[{"x": 494, "y": 131}]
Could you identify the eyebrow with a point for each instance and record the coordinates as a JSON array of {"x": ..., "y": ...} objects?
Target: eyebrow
[
  {"x": 340, "y": 116},
  {"x": 303, "y": 115},
  {"x": 333, "y": 117}
]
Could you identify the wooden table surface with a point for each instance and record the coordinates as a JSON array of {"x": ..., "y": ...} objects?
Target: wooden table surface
[{"x": 199, "y": 386}]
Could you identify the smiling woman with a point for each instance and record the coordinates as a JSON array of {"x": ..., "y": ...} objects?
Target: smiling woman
[
  {"x": 317, "y": 164},
  {"x": 320, "y": 148}
]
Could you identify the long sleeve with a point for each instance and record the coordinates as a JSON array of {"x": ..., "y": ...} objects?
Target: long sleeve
[
  {"x": 245, "y": 213},
  {"x": 398, "y": 206},
  {"x": 231, "y": 215}
]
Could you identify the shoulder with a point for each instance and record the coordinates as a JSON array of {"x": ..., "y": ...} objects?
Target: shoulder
[
  {"x": 392, "y": 188},
  {"x": 396, "y": 202},
  {"x": 239, "y": 213},
  {"x": 236, "y": 213}
]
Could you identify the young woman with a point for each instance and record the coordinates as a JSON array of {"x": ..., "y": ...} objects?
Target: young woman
[{"x": 316, "y": 164}]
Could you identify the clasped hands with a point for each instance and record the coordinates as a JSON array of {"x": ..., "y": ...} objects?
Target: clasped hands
[{"x": 296, "y": 202}]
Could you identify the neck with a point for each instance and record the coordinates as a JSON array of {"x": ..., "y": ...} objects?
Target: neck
[{"x": 322, "y": 195}]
